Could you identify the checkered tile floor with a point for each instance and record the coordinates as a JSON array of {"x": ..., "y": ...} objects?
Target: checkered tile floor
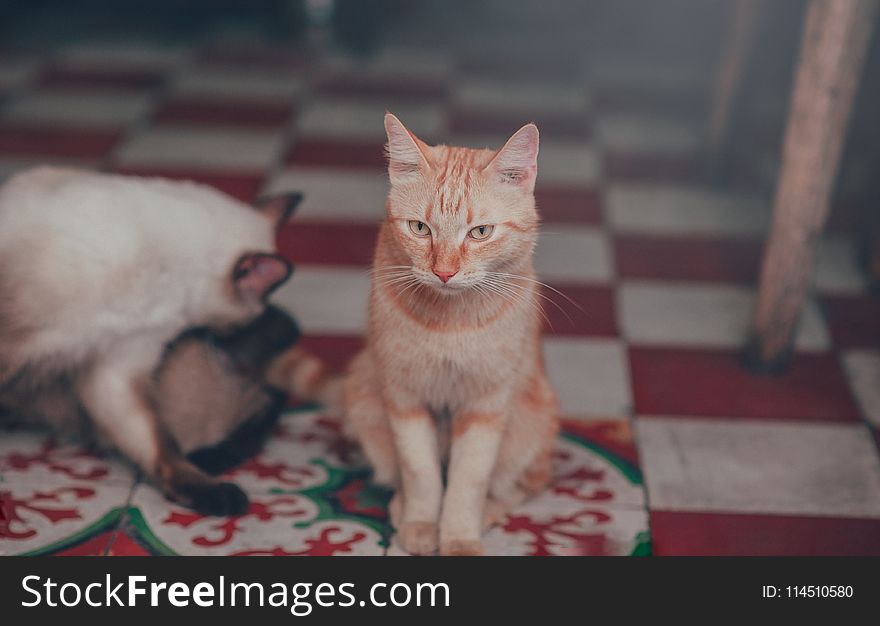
[{"x": 669, "y": 447}]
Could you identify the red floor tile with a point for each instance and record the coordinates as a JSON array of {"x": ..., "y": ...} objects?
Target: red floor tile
[
  {"x": 591, "y": 311},
  {"x": 23, "y": 140},
  {"x": 626, "y": 166},
  {"x": 100, "y": 77},
  {"x": 713, "y": 259},
  {"x": 242, "y": 186},
  {"x": 613, "y": 435},
  {"x": 571, "y": 127},
  {"x": 338, "y": 153},
  {"x": 569, "y": 205},
  {"x": 717, "y": 534},
  {"x": 713, "y": 383},
  {"x": 328, "y": 244},
  {"x": 201, "y": 112},
  {"x": 854, "y": 320},
  {"x": 335, "y": 350}
]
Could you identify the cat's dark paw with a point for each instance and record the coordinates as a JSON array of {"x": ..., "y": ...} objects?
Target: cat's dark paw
[{"x": 221, "y": 499}]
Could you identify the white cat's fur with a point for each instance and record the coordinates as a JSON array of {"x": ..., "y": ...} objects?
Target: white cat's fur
[{"x": 99, "y": 272}]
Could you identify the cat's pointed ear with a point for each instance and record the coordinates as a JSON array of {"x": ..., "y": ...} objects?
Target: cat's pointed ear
[
  {"x": 278, "y": 207},
  {"x": 258, "y": 274},
  {"x": 517, "y": 162},
  {"x": 407, "y": 154}
]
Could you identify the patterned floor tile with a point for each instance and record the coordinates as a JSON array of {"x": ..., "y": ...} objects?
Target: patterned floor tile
[
  {"x": 593, "y": 506},
  {"x": 309, "y": 496},
  {"x": 738, "y": 465},
  {"x": 710, "y": 315},
  {"x": 714, "y": 383},
  {"x": 56, "y": 496}
]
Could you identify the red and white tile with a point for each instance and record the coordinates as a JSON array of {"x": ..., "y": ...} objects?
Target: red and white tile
[{"x": 658, "y": 276}]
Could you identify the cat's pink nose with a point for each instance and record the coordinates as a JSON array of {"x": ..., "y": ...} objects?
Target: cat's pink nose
[{"x": 444, "y": 276}]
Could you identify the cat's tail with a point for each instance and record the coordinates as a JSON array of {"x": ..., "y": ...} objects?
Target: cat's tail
[{"x": 307, "y": 377}]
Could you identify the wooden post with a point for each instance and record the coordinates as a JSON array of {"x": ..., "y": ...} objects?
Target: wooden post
[
  {"x": 734, "y": 57},
  {"x": 835, "y": 39}
]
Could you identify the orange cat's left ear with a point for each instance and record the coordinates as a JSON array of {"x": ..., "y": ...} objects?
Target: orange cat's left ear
[
  {"x": 406, "y": 152},
  {"x": 517, "y": 162}
]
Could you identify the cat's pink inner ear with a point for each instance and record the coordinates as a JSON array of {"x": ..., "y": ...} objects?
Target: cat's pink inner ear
[
  {"x": 517, "y": 161},
  {"x": 256, "y": 275},
  {"x": 406, "y": 152}
]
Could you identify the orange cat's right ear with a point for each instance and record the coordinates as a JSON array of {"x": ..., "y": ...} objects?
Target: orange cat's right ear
[
  {"x": 517, "y": 162},
  {"x": 406, "y": 152}
]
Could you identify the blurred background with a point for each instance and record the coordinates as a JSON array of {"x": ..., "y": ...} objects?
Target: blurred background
[{"x": 655, "y": 221}]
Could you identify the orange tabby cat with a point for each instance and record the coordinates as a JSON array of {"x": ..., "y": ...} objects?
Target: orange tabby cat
[{"x": 452, "y": 370}]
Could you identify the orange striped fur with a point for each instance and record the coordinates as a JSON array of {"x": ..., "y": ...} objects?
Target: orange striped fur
[{"x": 454, "y": 333}]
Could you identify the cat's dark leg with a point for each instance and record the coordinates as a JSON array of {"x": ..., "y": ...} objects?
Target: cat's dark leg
[
  {"x": 119, "y": 397},
  {"x": 244, "y": 442}
]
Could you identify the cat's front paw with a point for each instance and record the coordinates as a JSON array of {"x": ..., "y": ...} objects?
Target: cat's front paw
[
  {"x": 461, "y": 547},
  {"x": 418, "y": 537}
]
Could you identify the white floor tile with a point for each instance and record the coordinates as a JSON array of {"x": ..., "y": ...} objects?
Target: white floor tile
[
  {"x": 345, "y": 118},
  {"x": 520, "y": 98},
  {"x": 568, "y": 164},
  {"x": 80, "y": 108},
  {"x": 234, "y": 83},
  {"x": 863, "y": 371},
  {"x": 647, "y": 135},
  {"x": 189, "y": 147},
  {"x": 682, "y": 210},
  {"x": 591, "y": 376},
  {"x": 327, "y": 300},
  {"x": 759, "y": 467},
  {"x": 836, "y": 267},
  {"x": 134, "y": 56},
  {"x": 573, "y": 254},
  {"x": 716, "y": 316},
  {"x": 334, "y": 194},
  {"x": 17, "y": 72}
]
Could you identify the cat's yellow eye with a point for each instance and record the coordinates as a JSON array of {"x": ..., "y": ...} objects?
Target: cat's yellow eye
[
  {"x": 481, "y": 232},
  {"x": 419, "y": 229}
]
